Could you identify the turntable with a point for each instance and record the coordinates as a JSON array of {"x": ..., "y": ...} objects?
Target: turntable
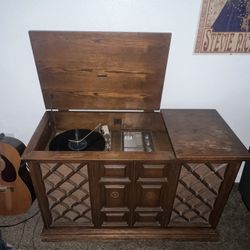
[
  {"x": 106, "y": 157},
  {"x": 79, "y": 140}
]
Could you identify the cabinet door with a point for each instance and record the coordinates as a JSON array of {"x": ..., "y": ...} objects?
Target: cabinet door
[
  {"x": 134, "y": 194},
  {"x": 114, "y": 184},
  {"x": 151, "y": 189}
]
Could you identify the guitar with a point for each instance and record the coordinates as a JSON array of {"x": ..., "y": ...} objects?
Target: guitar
[{"x": 16, "y": 189}]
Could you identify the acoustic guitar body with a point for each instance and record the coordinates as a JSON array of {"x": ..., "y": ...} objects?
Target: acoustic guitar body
[{"x": 16, "y": 196}]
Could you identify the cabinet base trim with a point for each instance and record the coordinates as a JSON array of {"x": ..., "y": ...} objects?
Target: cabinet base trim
[{"x": 79, "y": 233}]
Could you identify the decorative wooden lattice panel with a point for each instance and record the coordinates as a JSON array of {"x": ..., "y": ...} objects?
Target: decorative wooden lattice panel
[
  {"x": 197, "y": 190},
  {"x": 67, "y": 189}
]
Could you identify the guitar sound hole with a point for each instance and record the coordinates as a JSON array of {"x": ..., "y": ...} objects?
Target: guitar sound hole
[{"x": 9, "y": 172}]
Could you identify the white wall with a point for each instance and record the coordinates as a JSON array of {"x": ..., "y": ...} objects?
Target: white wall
[{"x": 193, "y": 81}]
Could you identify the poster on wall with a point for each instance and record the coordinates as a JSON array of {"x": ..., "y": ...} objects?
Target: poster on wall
[{"x": 224, "y": 27}]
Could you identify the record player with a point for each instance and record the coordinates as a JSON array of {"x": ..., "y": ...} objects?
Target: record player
[{"x": 105, "y": 161}]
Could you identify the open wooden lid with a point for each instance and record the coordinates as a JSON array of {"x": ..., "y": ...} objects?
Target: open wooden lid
[{"x": 101, "y": 70}]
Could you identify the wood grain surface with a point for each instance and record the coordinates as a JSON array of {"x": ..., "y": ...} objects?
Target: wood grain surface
[
  {"x": 101, "y": 70},
  {"x": 202, "y": 134}
]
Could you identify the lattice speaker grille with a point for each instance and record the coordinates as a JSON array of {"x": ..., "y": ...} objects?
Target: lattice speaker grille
[
  {"x": 67, "y": 189},
  {"x": 197, "y": 190}
]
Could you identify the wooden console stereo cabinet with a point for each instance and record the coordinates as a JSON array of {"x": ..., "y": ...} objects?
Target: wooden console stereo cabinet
[{"x": 177, "y": 191}]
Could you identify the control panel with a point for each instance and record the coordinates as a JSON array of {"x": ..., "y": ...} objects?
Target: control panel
[{"x": 137, "y": 141}]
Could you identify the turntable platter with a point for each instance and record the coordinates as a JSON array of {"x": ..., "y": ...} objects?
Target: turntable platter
[{"x": 70, "y": 140}]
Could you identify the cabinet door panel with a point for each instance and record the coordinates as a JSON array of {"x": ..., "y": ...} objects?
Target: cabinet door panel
[
  {"x": 114, "y": 170},
  {"x": 151, "y": 170},
  {"x": 147, "y": 218},
  {"x": 151, "y": 182},
  {"x": 115, "y": 196},
  {"x": 148, "y": 195},
  {"x": 114, "y": 184},
  {"x": 115, "y": 219}
]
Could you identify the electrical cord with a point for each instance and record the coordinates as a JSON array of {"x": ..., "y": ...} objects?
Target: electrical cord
[{"x": 20, "y": 222}]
